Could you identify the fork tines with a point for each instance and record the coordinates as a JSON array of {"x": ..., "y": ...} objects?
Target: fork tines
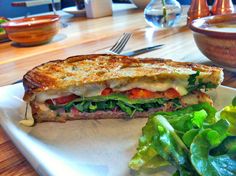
[{"x": 120, "y": 44}]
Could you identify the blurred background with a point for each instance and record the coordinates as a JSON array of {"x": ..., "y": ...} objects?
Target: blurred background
[{"x": 8, "y": 11}]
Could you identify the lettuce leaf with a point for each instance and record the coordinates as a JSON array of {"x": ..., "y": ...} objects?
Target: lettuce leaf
[
  {"x": 220, "y": 126},
  {"x": 145, "y": 151},
  {"x": 2, "y": 31},
  {"x": 191, "y": 139},
  {"x": 181, "y": 120},
  {"x": 229, "y": 114},
  {"x": 189, "y": 136},
  {"x": 188, "y": 118},
  {"x": 227, "y": 146},
  {"x": 234, "y": 101},
  {"x": 168, "y": 144},
  {"x": 209, "y": 165}
]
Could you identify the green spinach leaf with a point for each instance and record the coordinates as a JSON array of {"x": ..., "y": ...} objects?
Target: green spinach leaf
[
  {"x": 193, "y": 84},
  {"x": 130, "y": 106}
]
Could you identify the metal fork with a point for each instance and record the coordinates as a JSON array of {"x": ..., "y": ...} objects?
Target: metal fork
[{"x": 120, "y": 44}]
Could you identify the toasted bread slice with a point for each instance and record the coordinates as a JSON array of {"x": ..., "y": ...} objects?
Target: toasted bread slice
[{"x": 82, "y": 70}]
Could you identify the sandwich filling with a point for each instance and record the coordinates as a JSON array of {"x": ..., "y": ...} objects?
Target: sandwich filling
[
  {"x": 120, "y": 86},
  {"x": 124, "y": 97}
]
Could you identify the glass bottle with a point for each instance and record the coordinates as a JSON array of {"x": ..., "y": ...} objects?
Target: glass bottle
[
  {"x": 197, "y": 9},
  {"x": 222, "y": 7},
  {"x": 162, "y": 13}
]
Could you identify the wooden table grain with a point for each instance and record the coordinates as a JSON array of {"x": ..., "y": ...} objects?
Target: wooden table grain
[{"x": 86, "y": 36}]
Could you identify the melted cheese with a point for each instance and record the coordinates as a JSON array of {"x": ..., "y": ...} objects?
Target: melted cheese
[
  {"x": 27, "y": 122},
  {"x": 41, "y": 97},
  {"x": 154, "y": 86},
  {"x": 119, "y": 86},
  {"x": 88, "y": 90},
  {"x": 85, "y": 91}
]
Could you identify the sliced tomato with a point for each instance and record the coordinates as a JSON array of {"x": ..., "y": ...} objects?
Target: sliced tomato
[
  {"x": 107, "y": 91},
  {"x": 62, "y": 100},
  {"x": 142, "y": 93},
  {"x": 137, "y": 93},
  {"x": 171, "y": 93},
  {"x": 74, "y": 111}
]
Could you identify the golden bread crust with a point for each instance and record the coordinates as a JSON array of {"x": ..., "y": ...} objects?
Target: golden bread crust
[{"x": 99, "y": 68}]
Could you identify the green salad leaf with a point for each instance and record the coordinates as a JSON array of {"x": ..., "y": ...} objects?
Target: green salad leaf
[
  {"x": 182, "y": 121},
  {"x": 209, "y": 165},
  {"x": 169, "y": 145},
  {"x": 146, "y": 158},
  {"x": 221, "y": 127},
  {"x": 3, "y": 21},
  {"x": 189, "y": 136},
  {"x": 145, "y": 151},
  {"x": 185, "y": 119},
  {"x": 229, "y": 114},
  {"x": 2, "y": 31},
  {"x": 234, "y": 101},
  {"x": 199, "y": 117},
  {"x": 227, "y": 146},
  {"x": 192, "y": 139}
]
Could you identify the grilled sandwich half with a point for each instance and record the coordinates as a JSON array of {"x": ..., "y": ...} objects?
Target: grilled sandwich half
[{"x": 110, "y": 86}]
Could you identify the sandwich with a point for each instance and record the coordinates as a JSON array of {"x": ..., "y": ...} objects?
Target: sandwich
[{"x": 103, "y": 86}]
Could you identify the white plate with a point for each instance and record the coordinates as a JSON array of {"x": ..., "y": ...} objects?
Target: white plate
[
  {"x": 82, "y": 147},
  {"x": 74, "y": 11}
]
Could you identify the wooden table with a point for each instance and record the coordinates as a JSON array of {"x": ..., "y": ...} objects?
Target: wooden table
[{"x": 85, "y": 36}]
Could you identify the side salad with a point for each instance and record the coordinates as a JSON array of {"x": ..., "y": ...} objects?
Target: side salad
[
  {"x": 196, "y": 140},
  {"x": 2, "y": 20}
]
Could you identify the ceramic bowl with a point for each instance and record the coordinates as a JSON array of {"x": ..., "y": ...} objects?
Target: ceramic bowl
[
  {"x": 32, "y": 30},
  {"x": 140, "y": 3},
  {"x": 215, "y": 36}
]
